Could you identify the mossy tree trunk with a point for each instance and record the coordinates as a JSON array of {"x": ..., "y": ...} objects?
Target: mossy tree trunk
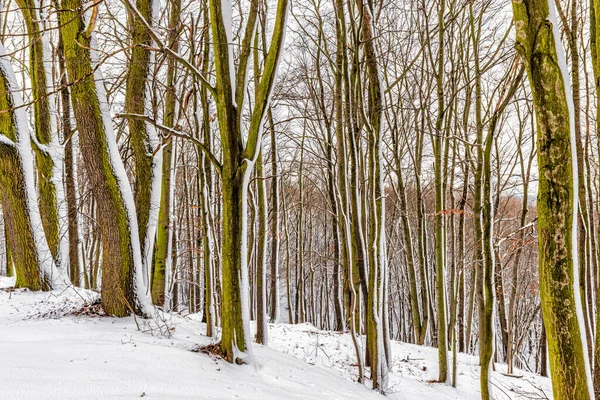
[
  {"x": 262, "y": 327},
  {"x": 122, "y": 274},
  {"x": 440, "y": 237},
  {"x": 70, "y": 172},
  {"x": 20, "y": 233},
  {"x": 571, "y": 29},
  {"x": 44, "y": 126},
  {"x": 146, "y": 151},
  {"x": 595, "y": 50},
  {"x": 31, "y": 257},
  {"x": 10, "y": 270},
  {"x": 543, "y": 57},
  {"x": 238, "y": 158},
  {"x": 164, "y": 215}
]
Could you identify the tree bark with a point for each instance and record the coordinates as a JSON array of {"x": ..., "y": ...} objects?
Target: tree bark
[{"x": 557, "y": 197}]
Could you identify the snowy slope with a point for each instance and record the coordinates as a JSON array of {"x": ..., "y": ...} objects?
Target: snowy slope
[
  {"x": 48, "y": 353},
  {"x": 414, "y": 367}
]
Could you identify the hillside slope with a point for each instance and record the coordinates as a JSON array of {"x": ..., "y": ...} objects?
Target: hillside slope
[{"x": 50, "y": 349}]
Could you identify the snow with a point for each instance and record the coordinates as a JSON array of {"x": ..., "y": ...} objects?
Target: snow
[
  {"x": 103, "y": 357},
  {"x": 48, "y": 352},
  {"x": 413, "y": 367}
]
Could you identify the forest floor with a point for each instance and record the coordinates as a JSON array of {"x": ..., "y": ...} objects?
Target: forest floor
[{"x": 58, "y": 345}]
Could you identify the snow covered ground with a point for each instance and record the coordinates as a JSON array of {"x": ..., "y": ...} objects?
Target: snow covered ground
[
  {"x": 414, "y": 367},
  {"x": 49, "y": 349}
]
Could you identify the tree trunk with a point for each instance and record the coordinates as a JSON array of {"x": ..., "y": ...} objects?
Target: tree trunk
[
  {"x": 275, "y": 225},
  {"x": 161, "y": 253},
  {"x": 31, "y": 257},
  {"x": 70, "y": 172},
  {"x": 262, "y": 328},
  {"x": 440, "y": 238},
  {"x": 146, "y": 149},
  {"x": 557, "y": 197},
  {"x": 46, "y": 148},
  {"x": 123, "y": 278}
]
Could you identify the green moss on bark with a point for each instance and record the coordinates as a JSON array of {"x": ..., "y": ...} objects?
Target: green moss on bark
[
  {"x": 135, "y": 103},
  {"x": 536, "y": 45},
  {"x": 118, "y": 297},
  {"x": 19, "y": 230},
  {"x": 42, "y": 124}
]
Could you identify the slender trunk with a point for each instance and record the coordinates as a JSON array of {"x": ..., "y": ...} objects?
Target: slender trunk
[
  {"x": 70, "y": 171},
  {"x": 275, "y": 225},
  {"x": 262, "y": 328},
  {"x": 146, "y": 149},
  {"x": 440, "y": 238},
  {"x": 161, "y": 253}
]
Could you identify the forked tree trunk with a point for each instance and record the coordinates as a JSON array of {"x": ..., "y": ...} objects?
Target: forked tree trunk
[
  {"x": 123, "y": 280},
  {"x": 238, "y": 158}
]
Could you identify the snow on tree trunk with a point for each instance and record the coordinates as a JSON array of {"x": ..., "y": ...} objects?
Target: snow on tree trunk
[
  {"x": 124, "y": 288},
  {"x": 538, "y": 42},
  {"x": 238, "y": 158},
  {"x": 146, "y": 146},
  {"x": 48, "y": 151},
  {"x": 34, "y": 264}
]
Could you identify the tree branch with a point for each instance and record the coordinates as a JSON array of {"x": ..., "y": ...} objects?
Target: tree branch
[{"x": 176, "y": 133}]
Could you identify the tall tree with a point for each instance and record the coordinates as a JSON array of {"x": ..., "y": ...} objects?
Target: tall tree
[
  {"x": 238, "y": 158},
  {"x": 29, "y": 251},
  {"x": 123, "y": 277},
  {"x": 540, "y": 49},
  {"x": 45, "y": 136},
  {"x": 275, "y": 224},
  {"x": 440, "y": 238},
  {"x": 376, "y": 199},
  {"x": 162, "y": 253},
  {"x": 147, "y": 151},
  {"x": 595, "y": 50}
]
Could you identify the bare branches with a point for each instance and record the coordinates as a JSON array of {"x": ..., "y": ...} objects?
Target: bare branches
[
  {"x": 162, "y": 47},
  {"x": 176, "y": 133}
]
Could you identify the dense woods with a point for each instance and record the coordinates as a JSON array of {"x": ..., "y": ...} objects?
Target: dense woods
[{"x": 423, "y": 171}]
